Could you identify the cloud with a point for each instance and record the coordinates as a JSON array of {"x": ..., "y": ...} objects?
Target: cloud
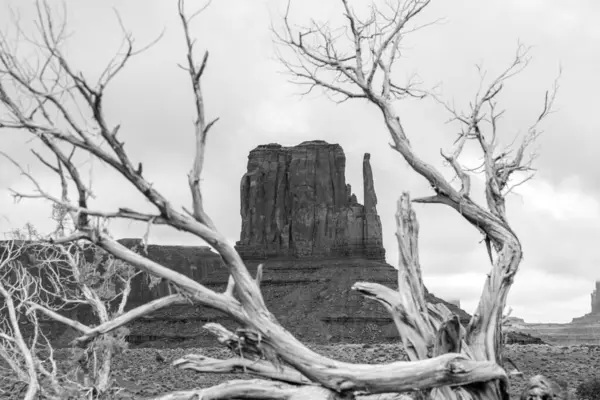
[
  {"x": 564, "y": 202},
  {"x": 271, "y": 119},
  {"x": 559, "y": 226},
  {"x": 539, "y": 296},
  {"x": 536, "y": 295},
  {"x": 465, "y": 287}
]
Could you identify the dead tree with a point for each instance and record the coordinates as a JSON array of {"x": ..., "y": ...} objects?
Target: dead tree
[
  {"x": 56, "y": 92},
  {"x": 76, "y": 276},
  {"x": 357, "y": 61},
  {"x": 16, "y": 358},
  {"x": 57, "y": 280},
  {"x": 27, "y": 363}
]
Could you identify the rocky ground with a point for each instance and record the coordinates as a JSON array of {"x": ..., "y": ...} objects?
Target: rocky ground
[{"x": 141, "y": 375}]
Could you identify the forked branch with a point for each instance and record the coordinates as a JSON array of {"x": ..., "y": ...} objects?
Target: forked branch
[
  {"x": 322, "y": 58},
  {"x": 201, "y": 126}
]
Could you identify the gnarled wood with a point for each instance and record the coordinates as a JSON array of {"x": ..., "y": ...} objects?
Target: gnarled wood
[
  {"x": 263, "y": 368},
  {"x": 426, "y": 330},
  {"x": 317, "y": 55},
  {"x": 254, "y": 389}
]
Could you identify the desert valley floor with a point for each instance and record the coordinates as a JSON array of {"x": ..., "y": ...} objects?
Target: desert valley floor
[{"x": 142, "y": 376}]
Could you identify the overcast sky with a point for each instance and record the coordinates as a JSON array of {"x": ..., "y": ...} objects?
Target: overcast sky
[{"x": 557, "y": 215}]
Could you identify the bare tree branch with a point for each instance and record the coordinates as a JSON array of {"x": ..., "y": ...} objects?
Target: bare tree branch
[
  {"x": 201, "y": 126},
  {"x": 130, "y": 316},
  {"x": 263, "y": 368},
  {"x": 317, "y": 60},
  {"x": 28, "y": 373},
  {"x": 253, "y": 389}
]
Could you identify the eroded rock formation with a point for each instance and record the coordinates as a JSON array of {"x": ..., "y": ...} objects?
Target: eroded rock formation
[
  {"x": 594, "y": 315},
  {"x": 295, "y": 202},
  {"x": 596, "y": 299}
]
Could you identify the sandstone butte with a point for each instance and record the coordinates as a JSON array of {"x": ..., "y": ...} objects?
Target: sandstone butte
[
  {"x": 295, "y": 202},
  {"x": 301, "y": 220}
]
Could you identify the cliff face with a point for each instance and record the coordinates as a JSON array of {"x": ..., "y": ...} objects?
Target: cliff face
[
  {"x": 295, "y": 202},
  {"x": 310, "y": 297}
]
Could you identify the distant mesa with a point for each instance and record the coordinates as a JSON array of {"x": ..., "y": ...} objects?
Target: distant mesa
[
  {"x": 300, "y": 220},
  {"x": 295, "y": 202},
  {"x": 516, "y": 320},
  {"x": 581, "y": 330},
  {"x": 594, "y": 315}
]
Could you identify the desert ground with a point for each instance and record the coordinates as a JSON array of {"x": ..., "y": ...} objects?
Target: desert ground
[{"x": 142, "y": 374}]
